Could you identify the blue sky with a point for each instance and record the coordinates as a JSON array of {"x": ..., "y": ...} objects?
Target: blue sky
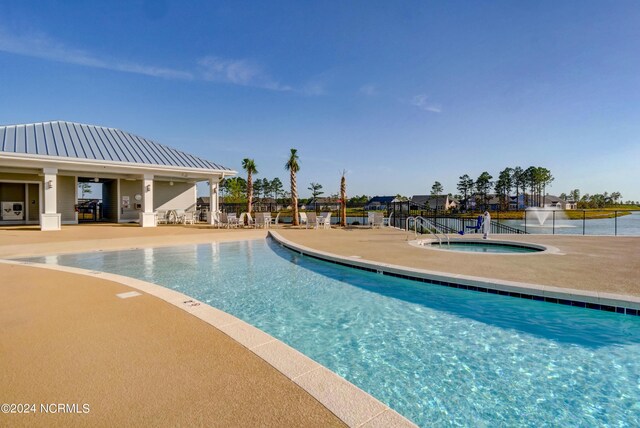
[{"x": 399, "y": 94}]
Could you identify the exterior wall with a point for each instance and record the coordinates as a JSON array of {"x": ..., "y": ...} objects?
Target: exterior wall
[
  {"x": 180, "y": 196},
  {"x": 66, "y": 198},
  {"x": 130, "y": 188}
]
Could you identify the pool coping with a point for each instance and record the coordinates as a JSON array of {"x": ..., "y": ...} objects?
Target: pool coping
[
  {"x": 609, "y": 302},
  {"x": 347, "y": 402}
]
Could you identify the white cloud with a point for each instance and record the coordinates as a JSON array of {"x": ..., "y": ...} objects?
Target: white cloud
[
  {"x": 422, "y": 102},
  {"x": 211, "y": 68},
  {"x": 313, "y": 88},
  {"x": 238, "y": 72},
  {"x": 368, "y": 90},
  {"x": 41, "y": 46}
]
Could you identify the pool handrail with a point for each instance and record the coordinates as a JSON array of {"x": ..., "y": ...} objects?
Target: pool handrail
[
  {"x": 415, "y": 227},
  {"x": 438, "y": 228}
]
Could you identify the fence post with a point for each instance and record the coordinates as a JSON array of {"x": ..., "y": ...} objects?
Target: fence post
[
  {"x": 615, "y": 213},
  {"x": 584, "y": 217},
  {"x": 525, "y": 221},
  {"x": 553, "y": 225}
]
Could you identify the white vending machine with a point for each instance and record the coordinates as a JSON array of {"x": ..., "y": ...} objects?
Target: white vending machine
[{"x": 12, "y": 210}]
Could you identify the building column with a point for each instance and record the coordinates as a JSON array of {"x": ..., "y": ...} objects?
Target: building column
[
  {"x": 147, "y": 217},
  {"x": 50, "y": 219},
  {"x": 212, "y": 217}
]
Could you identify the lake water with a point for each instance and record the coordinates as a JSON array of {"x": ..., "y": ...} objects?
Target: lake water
[{"x": 627, "y": 225}]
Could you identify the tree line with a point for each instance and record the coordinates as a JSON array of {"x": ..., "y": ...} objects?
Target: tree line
[
  {"x": 598, "y": 200},
  {"x": 234, "y": 189},
  {"x": 530, "y": 182}
]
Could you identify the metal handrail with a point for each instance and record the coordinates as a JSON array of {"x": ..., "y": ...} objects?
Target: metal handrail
[
  {"x": 439, "y": 228},
  {"x": 415, "y": 227},
  {"x": 389, "y": 219}
]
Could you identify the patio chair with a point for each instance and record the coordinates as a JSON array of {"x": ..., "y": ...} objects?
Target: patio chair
[
  {"x": 312, "y": 220},
  {"x": 231, "y": 220},
  {"x": 219, "y": 219},
  {"x": 325, "y": 220},
  {"x": 274, "y": 220},
  {"x": 178, "y": 216},
  {"x": 304, "y": 220},
  {"x": 376, "y": 219},
  {"x": 161, "y": 217},
  {"x": 189, "y": 217},
  {"x": 245, "y": 218}
]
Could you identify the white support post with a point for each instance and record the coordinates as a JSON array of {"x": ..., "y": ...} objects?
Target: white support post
[
  {"x": 50, "y": 219},
  {"x": 147, "y": 217},
  {"x": 212, "y": 217}
]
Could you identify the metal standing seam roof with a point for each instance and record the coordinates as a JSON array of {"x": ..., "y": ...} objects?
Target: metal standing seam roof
[{"x": 59, "y": 139}]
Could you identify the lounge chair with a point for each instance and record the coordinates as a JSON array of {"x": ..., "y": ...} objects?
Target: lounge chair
[
  {"x": 475, "y": 228},
  {"x": 325, "y": 220},
  {"x": 262, "y": 221},
  {"x": 312, "y": 220}
]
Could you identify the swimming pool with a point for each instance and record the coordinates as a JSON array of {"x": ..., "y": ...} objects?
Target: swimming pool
[
  {"x": 485, "y": 247},
  {"x": 440, "y": 356}
]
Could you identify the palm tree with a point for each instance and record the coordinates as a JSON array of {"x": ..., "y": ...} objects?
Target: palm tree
[
  {"x": 343, "y": 200},
  {"x": 293, "y": 167},
  {"x": 250, "y": 166}
]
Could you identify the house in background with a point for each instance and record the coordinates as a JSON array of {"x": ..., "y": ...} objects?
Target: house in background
[
  {"x": 559, "y": 203},
  {"x": 435, "y": 202},
  {"x": 43, "y": 163},
  {"x": 517, "y": 202},
  {"x": 379, "y": 202}
]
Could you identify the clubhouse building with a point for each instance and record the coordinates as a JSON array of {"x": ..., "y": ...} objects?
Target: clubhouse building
[{"x": 42, "y": 166}]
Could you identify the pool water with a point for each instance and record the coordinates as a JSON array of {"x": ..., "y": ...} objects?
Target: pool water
[
  {"x": 438, "y": 355},
  {"x": 484, "y": 247}
]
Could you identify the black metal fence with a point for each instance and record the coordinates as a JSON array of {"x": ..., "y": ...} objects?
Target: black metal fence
[{"x": 542, "y": 221}]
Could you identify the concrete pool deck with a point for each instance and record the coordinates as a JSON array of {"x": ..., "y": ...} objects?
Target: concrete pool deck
[
  {"x": 142, "y": 361},
  {"x": 135, "y": 361},
  {"x": 602, "y": 264},
  {"x": 94, "y": 343}
]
